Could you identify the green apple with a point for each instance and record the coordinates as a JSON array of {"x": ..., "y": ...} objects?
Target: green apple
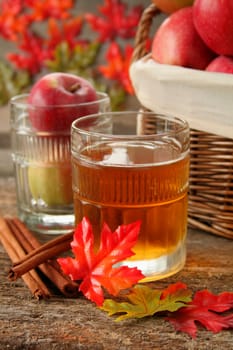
[
  {"x": 51, "y": 183},
  {"x": 170, "y": 6}
]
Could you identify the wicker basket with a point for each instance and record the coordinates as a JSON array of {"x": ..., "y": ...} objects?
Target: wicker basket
[{"x": 211, "y": 166}]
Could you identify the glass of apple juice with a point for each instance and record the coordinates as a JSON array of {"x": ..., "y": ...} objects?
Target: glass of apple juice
[
  {"x": 130, "y": 166},
  {"x": 42, "y": 163}
]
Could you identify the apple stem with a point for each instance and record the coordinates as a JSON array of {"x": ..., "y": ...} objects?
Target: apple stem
[{"x": 74, "y": 87}]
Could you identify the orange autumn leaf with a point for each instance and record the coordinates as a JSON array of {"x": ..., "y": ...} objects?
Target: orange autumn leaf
[
  {"x": 172, "y": 289},
  {"x": 97, "y": 270},
  {"x": 117, "y": 67},
  {"x": 10, "y": 28},
  {"x": 66, "y": 31},
  {"x": 50, "y": 8}
]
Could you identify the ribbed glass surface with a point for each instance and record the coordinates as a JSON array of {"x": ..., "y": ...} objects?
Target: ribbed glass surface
[
  {"x": 132, "y": 182},
  {"x": 44, "y": 148}
]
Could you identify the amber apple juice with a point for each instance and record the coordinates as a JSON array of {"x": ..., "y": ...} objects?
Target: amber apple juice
[{"x": 122, "y": 182}]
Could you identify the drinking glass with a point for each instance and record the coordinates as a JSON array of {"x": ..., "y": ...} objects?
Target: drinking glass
[
  {"x": 130, "y": 166},
  {"x": 42, "y": 164}
]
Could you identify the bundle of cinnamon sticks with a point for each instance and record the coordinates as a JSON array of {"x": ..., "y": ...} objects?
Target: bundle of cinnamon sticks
[{"x": 28, "y": 255}]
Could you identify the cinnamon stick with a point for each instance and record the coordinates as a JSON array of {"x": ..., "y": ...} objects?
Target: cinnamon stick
[
  {"x": 39, "y": 255},
  {"x": 50, "y": 268},
  {"x": 15, "y": 252},
  {"x": 48, "y": 250}
]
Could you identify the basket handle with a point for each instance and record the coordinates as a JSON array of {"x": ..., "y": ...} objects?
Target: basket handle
[{"x": 143, "y": 31}]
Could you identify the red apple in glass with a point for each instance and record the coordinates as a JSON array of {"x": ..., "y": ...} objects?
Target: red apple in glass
[
  {"x": 213, "y": 20},
  {"x": 177, "y": 42},
  {"x": 170, "y": 6},
  {"x": 221, "y": 64},
  {"x": 54, "y": 102},
  {"x": 57, "y": 99}
]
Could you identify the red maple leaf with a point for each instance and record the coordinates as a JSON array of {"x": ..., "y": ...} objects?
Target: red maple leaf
[
  {"x": 114, "y": 20},
  {"x": 205, "y": 308},
  {"x": 97, "y": 270}
]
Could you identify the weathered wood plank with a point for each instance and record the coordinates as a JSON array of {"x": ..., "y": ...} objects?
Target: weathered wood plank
[{"x": 61, "y": 323}]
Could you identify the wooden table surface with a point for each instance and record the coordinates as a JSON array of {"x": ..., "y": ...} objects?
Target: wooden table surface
[{"x": 60, "y": 323}]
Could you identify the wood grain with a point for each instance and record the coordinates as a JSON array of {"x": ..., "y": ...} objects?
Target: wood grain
[{"x": 61, "y": 323}]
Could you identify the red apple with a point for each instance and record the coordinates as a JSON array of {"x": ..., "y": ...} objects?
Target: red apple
[
  {"x": 213, "y": 20},
  {"x": 221, "y": 64},
  {"x": 177, "y": 42},
  {"x": 59, "y": 98},
  {"x": 170, "y": 6}
]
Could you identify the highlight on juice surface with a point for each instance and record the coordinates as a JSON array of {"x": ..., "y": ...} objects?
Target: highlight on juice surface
[{"x": 130, "y": 166}]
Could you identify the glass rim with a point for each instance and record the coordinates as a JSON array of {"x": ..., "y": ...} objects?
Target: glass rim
[
  {"x": 182, "y": 125},
  {"x": 21, "y": 102}
]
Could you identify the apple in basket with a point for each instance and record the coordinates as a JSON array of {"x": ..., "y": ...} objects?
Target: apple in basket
[
  {"x": 170, "y": 6},
  {"x": 54, "y": 102},
  {"x": 213, "y": 19},
  {"x": 177, "y": 42},
  {"x": 221, "y": 64}
]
